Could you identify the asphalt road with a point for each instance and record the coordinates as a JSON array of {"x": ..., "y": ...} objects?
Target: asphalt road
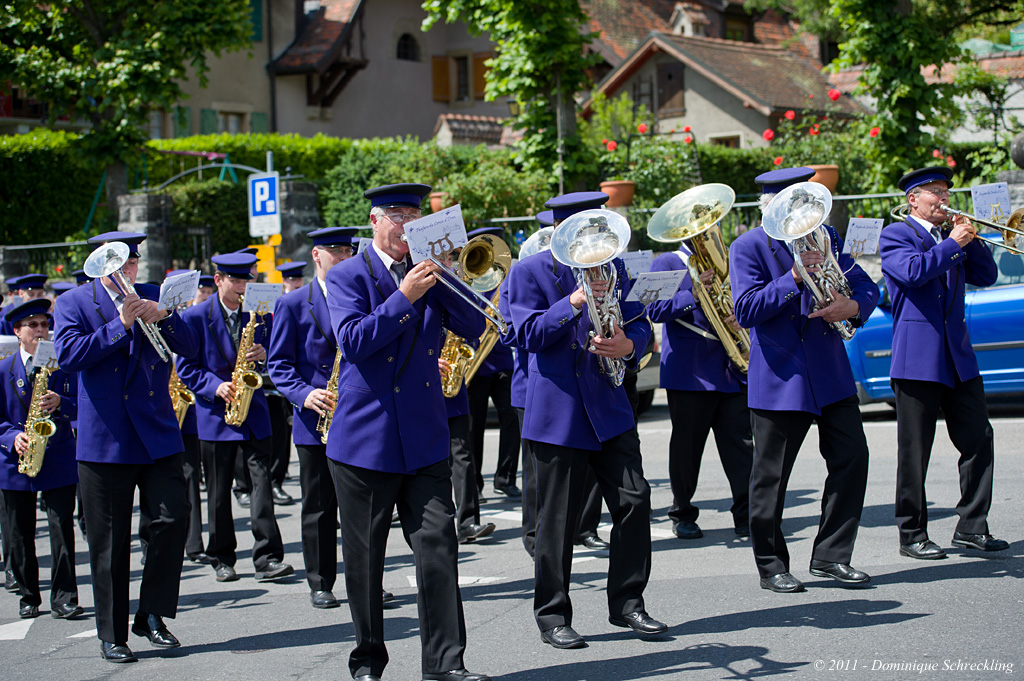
[{"x": 957, "y": 619}]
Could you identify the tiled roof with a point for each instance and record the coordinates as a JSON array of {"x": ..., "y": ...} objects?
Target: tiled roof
[
  {"x": 321, "y": 39},
  {"x": 1009, "y": 65},
  {"x": 485, "y": 129},
  {"x": 623, "y": 26}
]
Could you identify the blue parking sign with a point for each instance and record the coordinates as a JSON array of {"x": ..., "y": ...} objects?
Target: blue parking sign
[{"x": 264, "y": 204}]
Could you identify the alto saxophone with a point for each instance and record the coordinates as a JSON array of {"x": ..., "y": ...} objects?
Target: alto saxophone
[
  {"x": 181, "y": 397},
  {"x": 323, "y": 426},
  {"x": 38, "y": 427},
  {"x": 459, "y": 354},
  {"x": 244, "y": 379}
]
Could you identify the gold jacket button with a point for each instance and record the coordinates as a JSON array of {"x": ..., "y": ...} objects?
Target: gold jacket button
[
  {"x": 428, "y": 384},
  {"x": 152, "y": 367},
  {"x": 397, "y": 389},
  {"x": 573, "y": 346},
  {"x": 115, "y": 369},
  {"x": 126, "y": 397},
  {"x": 150, "y": 393},
  {"x": 430, "y": 352},
  {"x": 391, "y": 359}
]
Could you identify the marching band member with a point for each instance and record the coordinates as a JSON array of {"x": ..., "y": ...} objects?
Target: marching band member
[
  {"x": 799, "y": 374},
  {"x": 302, "y": 352},
  {"x": 128, "y": 437},
  {"x": 705, "y": 392},
  {"x": 464, "y": 472},
  {"x": 393, "y": 448},
  {"x": 291, "y": 272},
  {"x": 56, "y": 480},
  {"x": 933, "y": 363},
  {"x": 206, "y": 289},
  {"x": 574, "y": 417},
  {"x": 219, "y": 322}
]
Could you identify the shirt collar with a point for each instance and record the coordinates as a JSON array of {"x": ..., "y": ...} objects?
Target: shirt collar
[
  {"x": 323, "y": 286},
  {"x": 225, "y": 310},
  {"x": 24, "y": 355},
  {"x": 924, "y": 223},
  {"x": 384, "y": 257}
]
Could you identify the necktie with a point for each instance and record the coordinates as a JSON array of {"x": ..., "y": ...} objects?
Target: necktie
[
  {"x": 398, "y": 267},
  {"x": 119, "y": 300},
  {"x": 29, "y": 368},
  {"x": 233, "y": 326},
  {"x": 936, "y": 235}
]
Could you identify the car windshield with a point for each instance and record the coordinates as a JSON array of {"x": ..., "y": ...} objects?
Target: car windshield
[{"x": 1011, "y": 268}]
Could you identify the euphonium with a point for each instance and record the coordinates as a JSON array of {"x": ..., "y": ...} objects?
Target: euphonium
[
  {"x": 181, "y": 397},
  {"x": 694, "y": 216},
  {"x": 244, "y": 379},
  {"x": 587, "y": 242},
  {"x": 796, "y": 215},
  {"x": 38, "y": 427},
  {"x": 323, "y": 426}
]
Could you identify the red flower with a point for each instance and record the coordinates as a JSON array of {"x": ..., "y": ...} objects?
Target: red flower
[
  {"x": 790, "y": 115},
  {"x": 811, "y": 96},
  {"x": 768, "y": 135},
  {"x": 672, "y": 130},
  {"x": 612, "y": 145},
  {"x": 778, "y": 160},
  {"x": 950, "y": 162},
  {"x": 59, "y": 268},
  {"x": 687, "y": 139},
  {"x": 604, "y": 141},
  {"x": 813, "y": 129},
  {"x": 833, "y": 94},
  {"x": 874, "y": 131},
  {"x": 686, "y": 129},
  {"x": 642, "y": 128},
  {"x": 936, "y": 153}
]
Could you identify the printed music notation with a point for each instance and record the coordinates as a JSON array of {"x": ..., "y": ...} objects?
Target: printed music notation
[
  {"x": 991, "y": 201},
  {"x": 436, "y": 235},
  {"x": 862, "y": 236},
  {"x": 178, "y": 290},
  {"x": 260, "y": 298},
  {"x": 650, "y": 287}
]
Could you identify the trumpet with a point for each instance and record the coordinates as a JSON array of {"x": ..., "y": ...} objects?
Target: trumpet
[{"x": 1013, "y": 237}]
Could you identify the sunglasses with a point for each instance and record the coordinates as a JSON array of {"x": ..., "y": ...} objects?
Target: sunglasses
[{"x": 35, "y": 325}]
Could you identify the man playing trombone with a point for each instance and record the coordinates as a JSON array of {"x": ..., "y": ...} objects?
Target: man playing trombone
[{"x": 933, "y": 366}]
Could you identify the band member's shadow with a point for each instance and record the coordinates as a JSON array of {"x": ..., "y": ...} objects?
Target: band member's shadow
[
  {"x": 847, "y": 614},
  {"x": 232, "y": 599},
  {"x": 961, "y": 564},
  {"x": 285, "y": 638},
  {"x": 883, "y": 515}
]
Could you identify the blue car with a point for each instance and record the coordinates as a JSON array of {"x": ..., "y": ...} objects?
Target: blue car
[{"x": 995, "y": 321}]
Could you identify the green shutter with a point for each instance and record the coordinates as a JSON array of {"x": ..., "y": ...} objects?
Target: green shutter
[
  {"x": 257, "y": 20},
  {"x": 182, "y": 121},
  {"x": 259, "y": 122},
  {"x": 207, "y": 122}
]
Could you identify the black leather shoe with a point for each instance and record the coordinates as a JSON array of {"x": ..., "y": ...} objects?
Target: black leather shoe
[
  {"x": 226, "y": 573},
  {"x": 281, "y": 498},
  {"x": 742, "y": 531},
  {"x": 841, "y": 572},
  {"x": 66, "y": 611},
  {"x": 562, "y": 637},
  {"x": 10, "y": 583},
  {"x": 367, "y": 677},
  {"x": 782, "y": 583},
  {"x": 387, "y": 596},
  {"x": 456, "y": 675},
  {"x": 27, "y": 612},
  {"x": 922, "y": 550},
  {"x": 274, "y": 570},
  {"x": 474, "y": 531},
  {"x": 243, "y": 499},
  {"x": 116, "y": 652},
  {"x": 687, "y": 529},
  {"x": 981, "y": 542},
  {"x": 153, "y": 628},
  {"x": 640, "y": 622},
  {"x": 509, "y": 491},
  {"x": 200, "y": 557},
  {"x": 323, "y": 600},
  {"x": 593, "y": 542}
]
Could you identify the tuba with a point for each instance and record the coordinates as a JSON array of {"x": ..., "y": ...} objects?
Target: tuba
[
  {"x": 587, "y": 242},
  {"x": 38, "y": 427},
  {"x": 694, "y": 216},
  {"x": 244, "y": 379},
  {"x": 323, "y": 426},
  {"x": 796, "y": 214}
]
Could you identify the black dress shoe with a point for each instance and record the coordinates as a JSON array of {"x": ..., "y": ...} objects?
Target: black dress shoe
[
  {"x": 226, "y": 573},
  {"x": 687, "y": 529},
  {"x": 387, "y": 596},
  {"x": 116, "y": 652},
  {"x": 509, "y": 491},
  {"x": 981, "y": 542},
  {"x": 367, "y": 677},
  {"x": 281, "y": 498},
  {"x": 27, "y": 612},
  {"x": 243, "y": 499},
  {"x": 153, "y": 628},
  {"x": 456, "y": 675},
  {"x": 66, "y": 611},
  {"x": 640, "y": 622},
  {"x": 323, "y": 600},
  {"x": 841, "y": 572},
  {"x": 782, "y": 583},
  {"x": 742, "y": 531},
  {"x": 10, "y": 583},
  {"x": 274, "y": 570},
  {"x": 200, "y": 557},
  {"x": 562, "y": 637},
  {"x": 474, "y": 531},
  {"x": 922, "y": 550},
  {"x": 593, "y": 542}
]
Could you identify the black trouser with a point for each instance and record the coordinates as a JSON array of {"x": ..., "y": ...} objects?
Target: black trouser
[
  {"x": 319, "y": 518},
  {"x": 966, "y": 413},
  {"x": 281, "y": 439},
  {"x": 777, "y": 439},
  {"x": 366, "y": 500},
  {"x": 5, "y": 536},
  {"x": 694, "y": 414},
  {"x": 194, "y": 533},
  {"x": 467, "y": 498},
  {"x": 108, "y": 494},
  {"x": 218, "y": 460},
  {"x": 20, "y": 522},
  {"x": 561, "y": 474},
  {"x": 498, "y": 388}
]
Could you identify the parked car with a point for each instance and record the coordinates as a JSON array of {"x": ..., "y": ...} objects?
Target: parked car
[{"x": 995, "y": 321}]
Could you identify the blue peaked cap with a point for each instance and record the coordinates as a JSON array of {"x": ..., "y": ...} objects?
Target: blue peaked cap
[
  {"x": 567, "y": 205},
  {"x": 774, "y": 181}
]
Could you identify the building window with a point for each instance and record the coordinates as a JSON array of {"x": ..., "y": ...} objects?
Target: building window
[
  {"x": 461, "y": 79},
  {"x": 156, "y": 125},
  {"x": 731, "y": 141},
  {"x": 231, "y": 123},
  {"x": 408, "y": 48},
  {"x": 736, "y": 29}
]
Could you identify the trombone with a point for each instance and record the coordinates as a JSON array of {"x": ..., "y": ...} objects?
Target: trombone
[{"x": 1013, "y": 237}]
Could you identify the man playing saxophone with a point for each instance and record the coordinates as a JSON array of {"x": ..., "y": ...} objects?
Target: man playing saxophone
[
  {"x": 28, "y": 394},
  {"x": 222, "y": 329}
]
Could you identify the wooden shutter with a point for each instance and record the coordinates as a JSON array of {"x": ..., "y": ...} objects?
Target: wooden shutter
[
  {"x": 182, "y": 121},
  {"x": 671, "y": 101},
  {"x": 442, "y": 87},
  {"x": 207, "y": 122},
  {"x": 259, "y": 122},
  {"x": 256, "y": 7},
  {"x": 479, "y": 74}
]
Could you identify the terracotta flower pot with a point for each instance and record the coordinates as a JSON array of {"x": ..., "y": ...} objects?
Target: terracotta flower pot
[
  {"x": 620, "y": 191},
  {"x": 827, "y": 175},
  {"x": 439, "y": 201}
]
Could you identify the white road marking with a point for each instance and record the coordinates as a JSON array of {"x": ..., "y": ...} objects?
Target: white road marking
[
  {"x": 15, "y": 631},
  {"x": 91, "y": 633}
]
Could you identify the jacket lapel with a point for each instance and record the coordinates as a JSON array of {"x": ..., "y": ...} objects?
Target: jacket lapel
[
  {"x": 319, "y": 312},
  {"x": 219, "y": 330},
  {"x": 107, "y": 311},
  {"x": 16, "y": 374}
]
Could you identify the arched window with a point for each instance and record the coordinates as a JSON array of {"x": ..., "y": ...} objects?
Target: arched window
[{"x": 408, "y": 48}]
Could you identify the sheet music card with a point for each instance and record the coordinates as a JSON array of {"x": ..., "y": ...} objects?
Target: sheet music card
[
  {"x": 46, "y": 356},
  {"x": 654, "y": 286},
  {"x": 992, "y": 201},
  {"x": 637, "y": 262},
  {"x": 862, "y": 236},
  {"x": 8, "y": 346},
  {"x": 178, "y": 290},
  {"x": 436, "y": 234},
  {"x": 261, "y": 294}
]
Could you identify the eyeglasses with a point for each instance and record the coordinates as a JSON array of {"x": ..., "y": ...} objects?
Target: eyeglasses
[
  {"x": 937, "y": 192},
  {"x": 338, "y": 250},
  {"x": 401, "y": 218},
  {"x": 35, "y": 325}
]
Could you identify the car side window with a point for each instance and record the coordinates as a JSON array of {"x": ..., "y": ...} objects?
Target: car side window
[{"x": 1011, "y": 268}]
